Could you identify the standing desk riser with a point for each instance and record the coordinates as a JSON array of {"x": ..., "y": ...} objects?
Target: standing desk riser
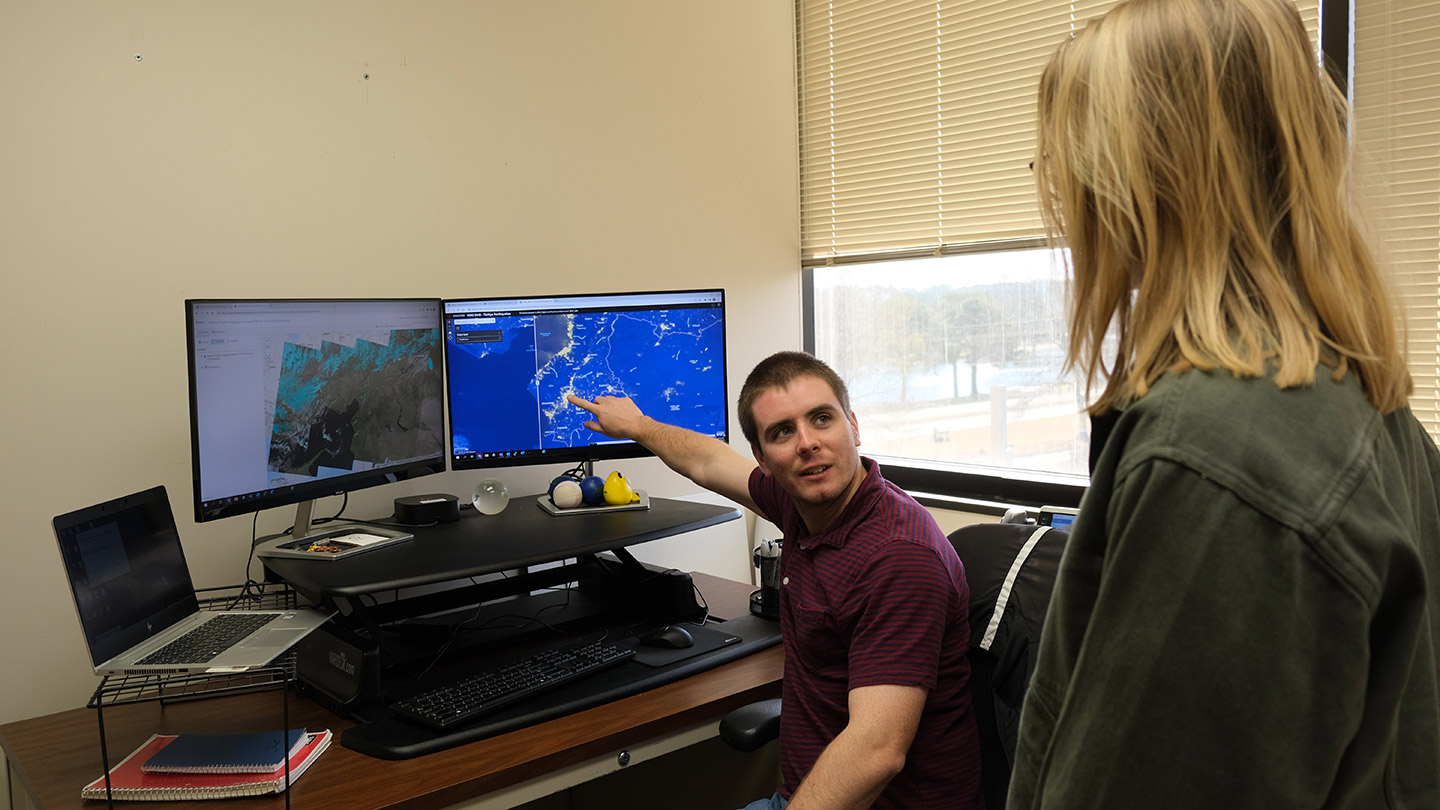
[{"x": 613, "y": 592}]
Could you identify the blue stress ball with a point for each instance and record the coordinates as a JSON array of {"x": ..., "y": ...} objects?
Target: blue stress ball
[{"x": 592, "y": 490}]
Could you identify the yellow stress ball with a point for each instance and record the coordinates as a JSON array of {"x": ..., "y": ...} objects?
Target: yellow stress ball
[{"x": 618, "y": 491}]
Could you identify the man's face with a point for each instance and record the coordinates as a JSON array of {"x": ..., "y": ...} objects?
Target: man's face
[{"x": 809, "y": 445}]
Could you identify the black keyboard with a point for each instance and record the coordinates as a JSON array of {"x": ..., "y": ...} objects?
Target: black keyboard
[
  {"x": 209, "y": 639},
  {"x": 455, "y": 703}
]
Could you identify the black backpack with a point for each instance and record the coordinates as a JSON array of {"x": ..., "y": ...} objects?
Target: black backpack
[{"x": 1010, "y": 569}]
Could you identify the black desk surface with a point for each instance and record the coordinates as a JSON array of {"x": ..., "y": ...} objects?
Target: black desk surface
[{"x": 522, "y": 535}]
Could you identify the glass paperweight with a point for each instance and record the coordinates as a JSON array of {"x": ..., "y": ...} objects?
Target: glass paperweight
[{"x": 491, "y": 496}]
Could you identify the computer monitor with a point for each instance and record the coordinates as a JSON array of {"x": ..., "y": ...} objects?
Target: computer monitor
[
  {"x": 511, "y": 361},
  {"x": 292, "y": 400}
]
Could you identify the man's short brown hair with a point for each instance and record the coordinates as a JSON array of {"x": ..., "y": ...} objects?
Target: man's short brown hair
[{"x": 778, "y": 371}]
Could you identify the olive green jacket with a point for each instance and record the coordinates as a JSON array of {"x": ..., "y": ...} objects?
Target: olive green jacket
[{"x": 1247, "y": 614}]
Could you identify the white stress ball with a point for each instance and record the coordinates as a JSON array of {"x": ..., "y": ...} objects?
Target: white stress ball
[
  {"x": 566, "y": 495},
  {"x": 491, "y": 496}
]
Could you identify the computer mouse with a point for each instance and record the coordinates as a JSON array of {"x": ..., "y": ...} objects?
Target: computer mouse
[{"x": 669, "y": 636}]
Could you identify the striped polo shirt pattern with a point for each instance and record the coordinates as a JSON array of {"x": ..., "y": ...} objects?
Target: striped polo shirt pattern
[{"x": 878, "y": 598}]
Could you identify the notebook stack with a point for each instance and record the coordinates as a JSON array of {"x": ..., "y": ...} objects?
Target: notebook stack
[{"x": 211, "y": 766}]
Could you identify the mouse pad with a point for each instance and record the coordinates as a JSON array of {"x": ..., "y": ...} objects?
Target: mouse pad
[{"x": 706, "y": 639}]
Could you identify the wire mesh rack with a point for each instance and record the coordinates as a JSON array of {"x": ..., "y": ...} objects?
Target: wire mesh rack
[
  {"x": 173, "y": 687},
  {"x": 116, "y": 690}
]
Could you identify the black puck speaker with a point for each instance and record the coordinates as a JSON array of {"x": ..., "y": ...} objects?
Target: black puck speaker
[{"x": 420, "y": 510}]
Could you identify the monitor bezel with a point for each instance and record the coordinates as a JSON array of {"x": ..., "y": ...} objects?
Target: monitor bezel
[
  {"x": 573, "y": 456},
  {"x": 308, "y": 491}
]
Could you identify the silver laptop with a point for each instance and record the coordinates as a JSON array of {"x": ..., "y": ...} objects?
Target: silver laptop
[
  {"x": 136, "y": 601},
  {"x": 1058, "y": 517}
]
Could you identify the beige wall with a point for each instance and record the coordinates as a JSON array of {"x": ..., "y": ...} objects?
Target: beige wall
[{"x": 156, "y": 150}]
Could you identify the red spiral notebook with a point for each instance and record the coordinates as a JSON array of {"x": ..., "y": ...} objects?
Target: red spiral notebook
[{"x": 128, "y": 781}]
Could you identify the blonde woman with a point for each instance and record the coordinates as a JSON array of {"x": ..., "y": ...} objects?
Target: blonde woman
[{"x": 1248, "y": 608}]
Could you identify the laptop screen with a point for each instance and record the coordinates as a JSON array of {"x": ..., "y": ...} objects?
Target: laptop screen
[
  {"x": 126, "y": 570},
  {"x": 1058, "y": 517}
]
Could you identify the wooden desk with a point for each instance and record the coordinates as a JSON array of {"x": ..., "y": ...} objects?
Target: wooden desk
[{"x": 52, "y": 757}]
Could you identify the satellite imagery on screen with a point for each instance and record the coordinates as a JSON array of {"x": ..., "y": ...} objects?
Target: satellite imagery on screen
[{"x": 339, "y": 406}]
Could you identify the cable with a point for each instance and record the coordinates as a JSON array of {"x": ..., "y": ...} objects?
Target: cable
[
  {"x": 458, "y": 626},
  {"x": 704, "y": 620},
  {"x": 344, "y": 502},
  {"x": 254, "y": 537}
]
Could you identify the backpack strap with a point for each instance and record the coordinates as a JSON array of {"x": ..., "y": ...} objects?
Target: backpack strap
[{"x": 1004, "y": 597}]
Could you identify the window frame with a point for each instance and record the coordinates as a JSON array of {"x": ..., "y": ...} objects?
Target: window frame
[{"x": 994, "y": 493}]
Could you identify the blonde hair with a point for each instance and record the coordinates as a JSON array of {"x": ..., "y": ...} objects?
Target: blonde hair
[{"x": 1193, "y": 158}]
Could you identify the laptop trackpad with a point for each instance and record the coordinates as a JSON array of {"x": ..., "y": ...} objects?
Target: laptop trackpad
[
  {"x": 274, "y": 640},
  {"x": 281, "y": 637}
]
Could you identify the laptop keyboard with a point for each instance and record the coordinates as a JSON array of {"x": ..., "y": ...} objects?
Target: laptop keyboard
[{"x": 209, "y": 639}]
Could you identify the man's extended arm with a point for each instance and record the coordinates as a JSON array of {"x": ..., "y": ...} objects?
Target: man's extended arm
[
  {"x": 705, "y": 460},
  {"x": 862, "y": 759}
]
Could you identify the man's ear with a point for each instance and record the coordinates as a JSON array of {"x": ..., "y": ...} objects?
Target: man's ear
[
  {"x": 760, "y": 458},
  {"x": 855, "y": 427}
]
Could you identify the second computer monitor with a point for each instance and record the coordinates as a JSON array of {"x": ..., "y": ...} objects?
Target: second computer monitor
[
  {"x": 296, "y": 399},
  {"x": 511, "y": 361}
]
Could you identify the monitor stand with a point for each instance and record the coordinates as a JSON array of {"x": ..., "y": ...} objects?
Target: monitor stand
[{"x": 335, "y": 541}]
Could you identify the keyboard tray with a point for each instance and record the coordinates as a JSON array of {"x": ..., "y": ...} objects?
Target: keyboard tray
[{"x": 394, "y": 738}]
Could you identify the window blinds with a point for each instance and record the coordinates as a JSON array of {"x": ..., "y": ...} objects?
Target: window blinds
[
  {"x": 917, "y": 121},
  {"x": 1397, "y": 131}
]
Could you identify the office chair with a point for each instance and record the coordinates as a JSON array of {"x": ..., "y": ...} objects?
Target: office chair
[
  {"x": 1012, "y": 562},
  {"x": 1011, "y": 569}
]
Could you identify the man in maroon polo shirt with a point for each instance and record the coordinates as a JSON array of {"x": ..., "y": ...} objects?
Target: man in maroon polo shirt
[{"x": 874, "y": 605}]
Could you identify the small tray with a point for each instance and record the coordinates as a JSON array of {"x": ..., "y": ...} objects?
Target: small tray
[
  {"x": 643, "y": 503},
  {"x": 333, "y": 544}
]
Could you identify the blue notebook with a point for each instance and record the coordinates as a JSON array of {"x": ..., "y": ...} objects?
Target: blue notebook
[{"x": 257, "y": 752}]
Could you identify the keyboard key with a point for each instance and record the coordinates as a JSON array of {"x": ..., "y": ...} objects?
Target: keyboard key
[{"x": 209, "y": 639}]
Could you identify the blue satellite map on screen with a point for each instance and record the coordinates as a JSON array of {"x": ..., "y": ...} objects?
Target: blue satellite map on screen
[{"x": 510, "y": 374}]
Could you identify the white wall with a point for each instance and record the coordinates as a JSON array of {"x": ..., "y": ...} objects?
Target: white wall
[{"x": 155, "y": 150}]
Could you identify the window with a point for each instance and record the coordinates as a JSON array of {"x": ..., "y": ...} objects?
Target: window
[
  {"x": 1396, "y": 95},
  {"x": 957, "y": 359},
  {"x": 928, "y": 283}
]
